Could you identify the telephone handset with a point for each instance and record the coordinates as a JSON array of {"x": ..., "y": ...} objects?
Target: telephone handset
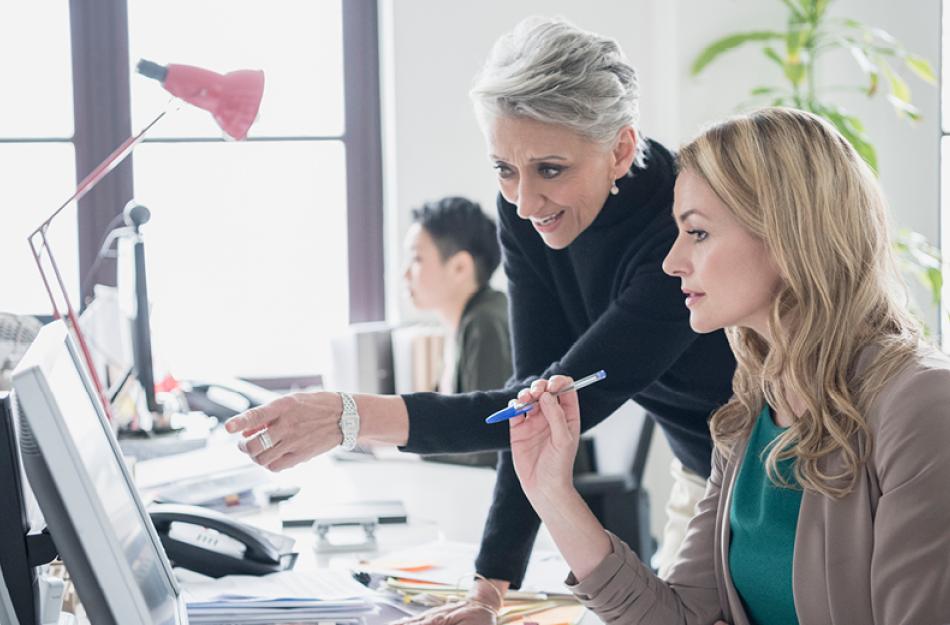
[{"x": 214, "y": 544}]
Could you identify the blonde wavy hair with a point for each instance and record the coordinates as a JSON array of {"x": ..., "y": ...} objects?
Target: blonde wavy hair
[{"x": 792, "y": 180}]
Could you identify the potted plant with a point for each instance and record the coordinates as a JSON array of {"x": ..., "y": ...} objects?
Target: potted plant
[{"x": 879, "y": 58}]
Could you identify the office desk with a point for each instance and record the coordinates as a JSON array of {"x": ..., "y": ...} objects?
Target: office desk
[{"x": 441, "y": 501}]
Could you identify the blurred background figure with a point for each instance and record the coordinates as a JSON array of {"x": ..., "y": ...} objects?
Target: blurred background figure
[{"x": 451, "y": 253}]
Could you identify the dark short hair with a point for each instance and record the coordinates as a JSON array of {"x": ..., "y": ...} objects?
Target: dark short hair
[{"x": 457, "y": 225}]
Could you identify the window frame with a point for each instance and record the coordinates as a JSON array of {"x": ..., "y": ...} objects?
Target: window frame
[{"x": 102, "y": 120}]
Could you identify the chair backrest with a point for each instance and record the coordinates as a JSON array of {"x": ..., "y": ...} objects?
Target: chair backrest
[
  {"x": 613, "y": 489},
  {"x": 621, "y": 443}
]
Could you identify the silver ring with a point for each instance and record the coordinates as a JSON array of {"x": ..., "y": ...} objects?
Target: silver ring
[{"x": 266, "y": 442}]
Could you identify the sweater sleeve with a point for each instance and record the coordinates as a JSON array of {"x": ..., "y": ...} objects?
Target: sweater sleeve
[
  {"x": 910, "y": 568},
  {"x": 621, "y": 589}
]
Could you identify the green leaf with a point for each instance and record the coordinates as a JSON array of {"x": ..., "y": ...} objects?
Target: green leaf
[
  {"x": 883, "y": 35},
  {"x": 796, "y": 37},
  {"x": 795, "y": 70},
  {"x": 852, "y": 130},
  {"x": 921, "y": 67},
  {"x": 727, "y": 43},
  {"x": 899, "y": 88},
  {"x": 905, "y": 109},
  {"x": 935, "y": 282},
  {"x": 763, "y": 91},
  {"x": 772, "y": 54},
  {"x": 867, "y": 66},
  {"x": 794, "y": 9}
]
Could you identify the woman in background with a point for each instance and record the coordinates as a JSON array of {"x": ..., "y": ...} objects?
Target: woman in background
[{"x": 828, "y": 499}]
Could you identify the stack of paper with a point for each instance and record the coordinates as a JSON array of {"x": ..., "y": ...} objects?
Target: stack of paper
[{"x": 288, "y": 597}]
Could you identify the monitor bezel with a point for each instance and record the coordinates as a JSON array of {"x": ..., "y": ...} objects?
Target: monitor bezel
[
  {"x": 7, "y": 612},
  {"x": 53, "y": 467}
]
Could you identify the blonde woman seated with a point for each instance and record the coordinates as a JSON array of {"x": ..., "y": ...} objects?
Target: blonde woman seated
[{"x": 829, "y": 499}]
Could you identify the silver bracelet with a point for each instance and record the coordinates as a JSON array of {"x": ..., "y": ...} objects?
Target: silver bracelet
[{"x": 349, "y": 422}]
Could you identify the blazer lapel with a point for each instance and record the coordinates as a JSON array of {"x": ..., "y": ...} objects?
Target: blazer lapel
[{"x": 732, "y": 601}]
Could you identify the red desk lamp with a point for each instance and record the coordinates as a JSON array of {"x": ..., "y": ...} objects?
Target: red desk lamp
[{"x": 233, "y": 100}]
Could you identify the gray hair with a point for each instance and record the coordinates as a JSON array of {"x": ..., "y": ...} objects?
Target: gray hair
[{"x": 548, "y": 70}]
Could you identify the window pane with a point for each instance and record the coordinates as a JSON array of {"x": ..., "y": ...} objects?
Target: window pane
[
  {"x": 38, "y": 177},
  {"x": 298, "y": 44},
  {"x": 37, "y": 96},
  {"x": 246, "y": 253}
]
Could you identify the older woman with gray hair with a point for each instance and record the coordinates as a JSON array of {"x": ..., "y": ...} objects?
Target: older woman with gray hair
[{"x": 584, "y": 214}]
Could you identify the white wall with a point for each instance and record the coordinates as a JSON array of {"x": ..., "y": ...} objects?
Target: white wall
[{"x": 433, "y": 145}]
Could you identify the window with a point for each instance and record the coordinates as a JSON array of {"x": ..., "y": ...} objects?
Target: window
[
  {"x": 253, "y": 260},
  {"x": 36, "y": 151},
  {"x": 247, "y": 247}
]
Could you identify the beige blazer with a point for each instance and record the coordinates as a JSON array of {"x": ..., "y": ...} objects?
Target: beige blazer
[{"x": 879, "y": 556}]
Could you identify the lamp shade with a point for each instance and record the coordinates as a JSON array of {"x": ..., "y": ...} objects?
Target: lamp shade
[{"x": 233, "y": 98}]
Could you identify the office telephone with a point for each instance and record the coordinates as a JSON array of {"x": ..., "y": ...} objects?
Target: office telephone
[
  {"x": 211, "y": 543},
  {"x": 224, "y": 398}
]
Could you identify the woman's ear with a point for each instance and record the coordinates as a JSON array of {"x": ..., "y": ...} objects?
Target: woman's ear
[{"x": 624, "y": 152}]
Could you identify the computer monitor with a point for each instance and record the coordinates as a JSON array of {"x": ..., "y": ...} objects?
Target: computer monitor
[
  {"x": 7, "y": 614},
  {"x": 133, "y": 293},
  {"x": 20, "y": 574},
  {"x": 74, "y": 466}
]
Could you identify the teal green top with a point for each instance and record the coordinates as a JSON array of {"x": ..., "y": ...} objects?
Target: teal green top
[{"x": 762, "y": 520}]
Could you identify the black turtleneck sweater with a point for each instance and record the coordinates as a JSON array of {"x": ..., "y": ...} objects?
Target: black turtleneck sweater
[{"x": 603, "y": 302}]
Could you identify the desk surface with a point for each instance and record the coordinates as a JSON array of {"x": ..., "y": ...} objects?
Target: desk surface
[{"x": 441, "y": 500}]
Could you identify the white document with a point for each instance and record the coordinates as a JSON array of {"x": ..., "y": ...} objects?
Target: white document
[{"x": 323, "y": 586}]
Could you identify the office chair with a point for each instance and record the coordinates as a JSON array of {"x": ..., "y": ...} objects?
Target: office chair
[{"x": 618, "y": 500}]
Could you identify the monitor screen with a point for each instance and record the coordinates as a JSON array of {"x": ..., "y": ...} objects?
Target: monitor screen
[{"x": 94, "y": 512}]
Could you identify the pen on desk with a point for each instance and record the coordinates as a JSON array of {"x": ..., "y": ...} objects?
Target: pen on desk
[{"x": 513, "y": 411}]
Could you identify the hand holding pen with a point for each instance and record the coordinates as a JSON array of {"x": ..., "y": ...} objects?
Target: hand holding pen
[
  {"x": 519, "y": 408},
  {"x": 544, "y": 441}
]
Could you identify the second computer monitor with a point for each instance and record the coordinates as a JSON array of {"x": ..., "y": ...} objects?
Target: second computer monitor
[{"x": 93, "y": 510}]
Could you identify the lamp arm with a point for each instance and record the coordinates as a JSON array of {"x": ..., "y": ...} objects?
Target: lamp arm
[
  {"x": 108, "y": 164},
  {"x": 38, "y": 242}
]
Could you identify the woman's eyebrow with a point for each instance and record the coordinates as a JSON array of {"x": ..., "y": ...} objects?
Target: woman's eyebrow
[{"x": 692, "y": 211}]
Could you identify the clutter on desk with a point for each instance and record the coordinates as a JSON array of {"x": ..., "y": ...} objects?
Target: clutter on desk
[
  {"x": 324, "y": 595},
  {"x": 218, "y": 477},
  {"x": 224, "y": 491},
  {"x": 453, "y": 563},
  {"x": 443, "y": 571},
  {"x": 520, "y": 606}
]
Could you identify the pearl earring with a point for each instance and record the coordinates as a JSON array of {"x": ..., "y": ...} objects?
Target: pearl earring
[{"x": 614, "y": 189}]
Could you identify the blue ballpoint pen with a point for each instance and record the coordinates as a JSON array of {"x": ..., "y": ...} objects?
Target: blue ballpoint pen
[{"x": 513, "y": 411}]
